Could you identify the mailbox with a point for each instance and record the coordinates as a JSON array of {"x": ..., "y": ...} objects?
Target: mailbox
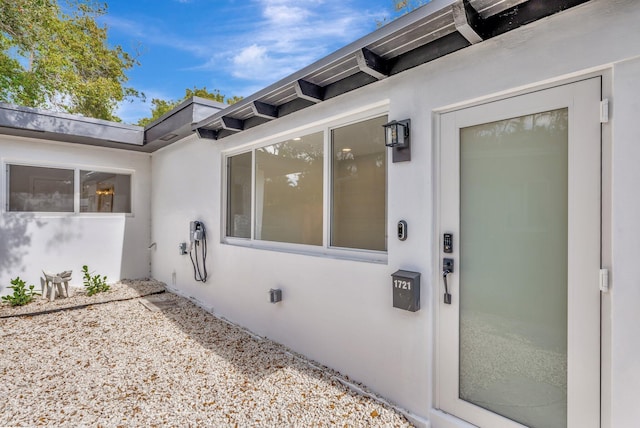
[{"x": 406, "y": 290}]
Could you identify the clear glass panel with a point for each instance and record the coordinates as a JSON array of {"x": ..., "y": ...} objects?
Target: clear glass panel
[
  {"x": 105, "y": 192},
  {"x": 513, "y": 268},
  {"x": 289, "y": 177},
  {"x": 359, "y": 186},
  {"x": 239, "y": 195},
  {"x": 39, "y": 189}
]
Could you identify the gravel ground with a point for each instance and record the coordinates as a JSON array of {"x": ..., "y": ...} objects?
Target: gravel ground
[
  {"x": 125, "y": 289},
  {"x": 165, "y": 363}
]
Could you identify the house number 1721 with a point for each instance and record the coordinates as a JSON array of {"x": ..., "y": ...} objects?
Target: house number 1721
[{"x": 401, "y": 284}]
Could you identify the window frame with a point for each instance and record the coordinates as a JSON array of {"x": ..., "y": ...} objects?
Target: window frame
[
  {"x": 262, "y": 212},
  {"x": 226, "y": 195},
  {"x": 106, "y": 171},
  {"x": 76, "y": 168},
  {"x": 326, "y": 249},
  {"x": 7, "y": 193},
  {"x": 330, "y": 182}
]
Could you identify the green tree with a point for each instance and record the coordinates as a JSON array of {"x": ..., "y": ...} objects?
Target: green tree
[
  {"x": 159, "y": 107},
  {"x": 203, "y": 93},
  {"x": 56, "y": 56},
  {"x": 401, "y": 7},
  {"x": 406, "y": 6}
]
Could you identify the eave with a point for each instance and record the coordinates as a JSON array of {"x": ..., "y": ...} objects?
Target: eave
[
  {"x": 439, "y": 28},
  {"x": 55, "y": 126}
]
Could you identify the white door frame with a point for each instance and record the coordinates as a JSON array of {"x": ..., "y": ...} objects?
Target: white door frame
[{"x": 574, "y": 417}]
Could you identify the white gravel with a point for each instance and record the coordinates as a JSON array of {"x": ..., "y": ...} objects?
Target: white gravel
[
  {"x": 122, "y": 364},
  {"x": 125, "y": 289}
]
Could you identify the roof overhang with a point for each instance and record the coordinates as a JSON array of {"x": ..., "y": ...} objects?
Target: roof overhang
[
  {"x": 56, "y": 126},
  {"x": 47, "y": 125},
  {"x": 434, "y": 30},
  {"x": 429, "y": 32},
  {"x": 178, "y": 123}
]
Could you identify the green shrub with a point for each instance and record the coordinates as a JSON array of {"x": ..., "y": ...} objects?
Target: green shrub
[
  {"x": 94, "y": 284},
  {"x": 20, "y": 294}
]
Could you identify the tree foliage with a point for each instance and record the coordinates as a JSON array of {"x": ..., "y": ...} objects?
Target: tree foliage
[
  {"x": 159, "y": 106},
  {"x": 406, "y": 6},
  {"x": 401, "y": 7},
  {"x": 56, "y": 56}
]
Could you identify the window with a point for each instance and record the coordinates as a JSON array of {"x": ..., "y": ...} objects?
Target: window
[
  {"x": 105, "y": 192},
  {"x": 289, "y": 191},
  {"x": 359, "y": 186},
  {"x": 40, "y": 189},
  {"x": 239, "y": 195},
  {"x": 47, "y": 189},
  {"x": 292, "y": 195}
]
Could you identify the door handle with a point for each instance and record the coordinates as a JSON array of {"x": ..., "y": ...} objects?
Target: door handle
[{"x": 447, "y": 268}]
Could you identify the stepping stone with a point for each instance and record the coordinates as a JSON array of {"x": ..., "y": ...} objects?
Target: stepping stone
[{"x": 155, "y": 304}]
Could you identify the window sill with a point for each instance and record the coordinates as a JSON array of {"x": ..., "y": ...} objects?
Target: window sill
[
  {"x": 58, "y": 214},
  {"x": 366, "y": 256}
]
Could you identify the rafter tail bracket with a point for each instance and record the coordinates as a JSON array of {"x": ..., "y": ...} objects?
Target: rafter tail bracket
[
  {"x": 466, "y": 20},
  {"x": 372, "y": 64}
]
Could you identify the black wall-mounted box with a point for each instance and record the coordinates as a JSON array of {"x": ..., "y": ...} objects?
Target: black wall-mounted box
[
  {"x": 275, "y": 295},
  {"x": 406, "y": 290}
]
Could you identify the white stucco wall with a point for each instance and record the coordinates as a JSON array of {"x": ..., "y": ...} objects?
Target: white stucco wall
[
  {"x": 625, "y": 295},
  {"x": 339, "y": 312},
  {"x": 110, "y": 244}
]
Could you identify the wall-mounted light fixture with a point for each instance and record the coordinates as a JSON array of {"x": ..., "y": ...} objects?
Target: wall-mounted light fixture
[{"x": 396, "y": 136}]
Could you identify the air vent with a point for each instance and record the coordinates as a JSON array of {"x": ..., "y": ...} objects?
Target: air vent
[{"x": 168, "y": 137}]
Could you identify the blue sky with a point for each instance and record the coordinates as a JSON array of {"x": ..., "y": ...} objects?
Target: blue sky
[{"x": 237, "y": 47}]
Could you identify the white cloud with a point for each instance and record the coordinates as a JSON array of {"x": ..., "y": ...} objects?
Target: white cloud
[
  {"x": 291, "y": 35},
  {"x": 256, "y": 42},
  {"x": 285, "y": 14},
  {"x": 152, "y": 33},
  {"x": 251, "y": 59}
]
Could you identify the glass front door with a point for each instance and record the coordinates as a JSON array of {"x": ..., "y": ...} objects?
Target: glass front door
[
  {"x": 513, "y": 267},
  {"x": 520, "y": 194}
]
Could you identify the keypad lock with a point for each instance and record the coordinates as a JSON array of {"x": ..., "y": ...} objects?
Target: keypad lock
[{"x": 447, "y": 243}]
